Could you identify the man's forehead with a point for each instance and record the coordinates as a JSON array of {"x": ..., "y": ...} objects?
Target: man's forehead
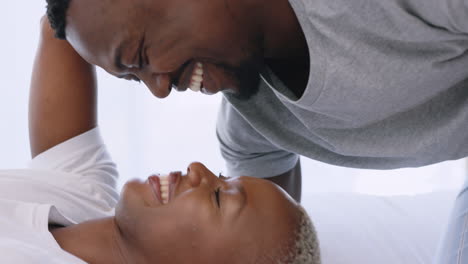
[
  {"x": 94, "y": 43},
  {"x": 93, "y": 50},
  {"x": 98, "y": 18},
  {"x": 95, "y": 31},
  {"x": 100, "y": 6}
]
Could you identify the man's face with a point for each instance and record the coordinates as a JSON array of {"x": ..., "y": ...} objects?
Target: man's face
[
  {"x": 206, "y": 220},
  {"x": 163, "y": 43}
]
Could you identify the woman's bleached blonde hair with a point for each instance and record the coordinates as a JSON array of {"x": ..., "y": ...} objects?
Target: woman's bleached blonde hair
[
  {"x": 302, "y": 247},
  {"x": 305, "y": 249}
]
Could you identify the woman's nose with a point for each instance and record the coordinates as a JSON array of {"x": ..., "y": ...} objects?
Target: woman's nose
[
  {"x": 198, "y": 174},
  {"x": 159, "y": 84}
]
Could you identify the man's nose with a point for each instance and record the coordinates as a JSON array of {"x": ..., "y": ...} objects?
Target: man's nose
[
  {"x": 198, "y": 175},
  {"x": 159, "y": 84}
]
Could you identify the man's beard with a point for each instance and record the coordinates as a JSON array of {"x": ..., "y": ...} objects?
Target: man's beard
[{"x": 248, "y": 75}]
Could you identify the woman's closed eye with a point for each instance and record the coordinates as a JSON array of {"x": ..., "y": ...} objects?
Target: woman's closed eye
[
  {"x": 222, "y": 177},
  {"x": 217, "y": 196}
]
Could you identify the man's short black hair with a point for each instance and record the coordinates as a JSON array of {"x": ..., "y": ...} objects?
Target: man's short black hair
[{"x": 57, "y": 14}]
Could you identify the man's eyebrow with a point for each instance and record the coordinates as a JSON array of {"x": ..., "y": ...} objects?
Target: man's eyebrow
[
  {"x": 118, "y": 54},
  {"x": 118, "y": 58}
]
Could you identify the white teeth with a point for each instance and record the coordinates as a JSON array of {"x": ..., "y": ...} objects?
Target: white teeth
[
  {"x": 164, "y": 179},
  {"x": 199, "y": 71},
  {"x": 197, "y": 78},
  {"x": 164, "y": 186},
  {"x": 195, "y": 86}
]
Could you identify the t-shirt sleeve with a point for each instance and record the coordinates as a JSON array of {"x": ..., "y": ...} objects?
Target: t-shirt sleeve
[
  {"x": 247, "y": 152},
  {"x": 84, "y": 155},
  {"x": 78, "y": 176}
]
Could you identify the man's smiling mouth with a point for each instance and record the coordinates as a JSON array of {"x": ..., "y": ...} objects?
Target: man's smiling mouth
[
  {"x": 190, "y": 76},
  {"x": 197, "y": 78}
]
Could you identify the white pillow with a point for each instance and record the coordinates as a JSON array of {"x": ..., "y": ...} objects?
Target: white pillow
[{"x": 366, "y": 229}]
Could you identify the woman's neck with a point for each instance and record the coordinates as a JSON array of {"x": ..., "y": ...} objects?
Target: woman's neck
[{"x": 95, "y": 241}]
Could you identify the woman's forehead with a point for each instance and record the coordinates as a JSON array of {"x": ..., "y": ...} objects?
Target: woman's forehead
[{"x": 266, "y": 203}]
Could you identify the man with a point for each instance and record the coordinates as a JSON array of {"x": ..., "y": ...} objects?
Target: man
[
  {"x": 367, "y": 84},
  {"x": 378, "y": 84},
  {"x": 61, "y": 209}
]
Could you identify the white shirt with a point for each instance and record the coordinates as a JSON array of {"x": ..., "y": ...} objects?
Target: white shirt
[{"x": 68, "y": 184}]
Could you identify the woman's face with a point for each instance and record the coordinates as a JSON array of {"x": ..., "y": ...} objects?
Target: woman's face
[{"x": 206, "y": 219}]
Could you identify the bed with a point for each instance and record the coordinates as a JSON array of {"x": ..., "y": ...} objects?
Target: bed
[{"x": 367, "y": 229}]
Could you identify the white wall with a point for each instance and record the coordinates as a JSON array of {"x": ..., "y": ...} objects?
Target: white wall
[{"x": 145, "y": 134}]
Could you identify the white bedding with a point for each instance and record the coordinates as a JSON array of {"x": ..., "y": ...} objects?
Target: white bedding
[{"x": 366, "y": 229}]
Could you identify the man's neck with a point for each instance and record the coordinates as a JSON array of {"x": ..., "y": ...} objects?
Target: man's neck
[
  {"x": 93, "y": 241},
  {"x": 286, "y": 50},
  {"x": 283, "y": 35},
  {"x": 294, "y": 73},
  {"x": 274, "y": 23}
]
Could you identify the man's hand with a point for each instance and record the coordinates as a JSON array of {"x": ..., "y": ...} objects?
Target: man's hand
[{"x": 63, "y": 93}]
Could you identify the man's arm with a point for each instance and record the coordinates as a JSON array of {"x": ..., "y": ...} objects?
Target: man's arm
[
  {"x": 290, "y": 181},
  {"x": 62, "y": 101}
]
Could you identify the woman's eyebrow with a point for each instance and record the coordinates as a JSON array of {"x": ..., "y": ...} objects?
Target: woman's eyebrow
[
  {"x": 243, "y": 201},
  {"x": 241, "y": 189}
]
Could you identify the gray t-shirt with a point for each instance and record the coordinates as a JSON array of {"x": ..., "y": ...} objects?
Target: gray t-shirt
[{"x": 388, "y": 88}]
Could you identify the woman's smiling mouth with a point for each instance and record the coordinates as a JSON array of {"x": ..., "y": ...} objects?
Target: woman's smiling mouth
[{"x": 163, "y": 187}]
